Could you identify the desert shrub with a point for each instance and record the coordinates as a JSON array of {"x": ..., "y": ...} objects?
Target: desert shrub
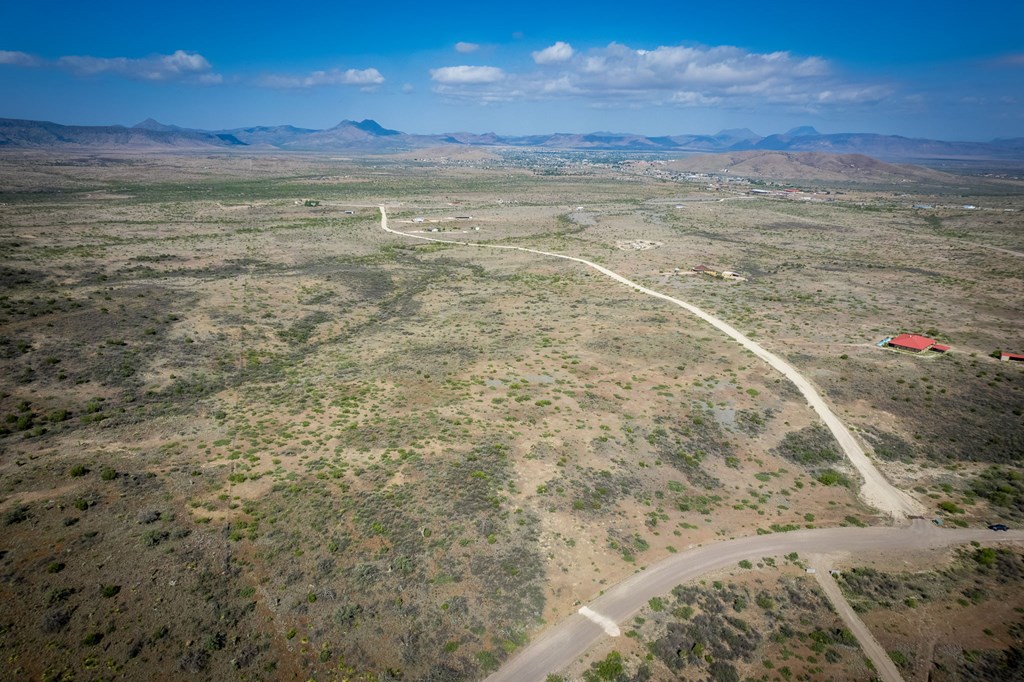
[
  {"x": 888, "y": 446},
  {"x": 608, "y": 670},
  {"x": 810, "y": 446},
  {"x": 194, "y": 660},
  {"x": 59, "y": 595},
  {"x": 722, "y": 671},
  {"x": 950, "y": 507},
  {"x": 154, "y": 537},
  {"x": 832, "y": 477},
  {"x": 1002, "y": 487},
  {"x": 16, "y": 515},
  {"x": 899, "y": 658},
  {"x": 752, "y": 422},
  {"x": 55, "y": 620}
]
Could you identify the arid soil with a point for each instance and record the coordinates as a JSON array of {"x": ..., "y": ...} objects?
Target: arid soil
[{"x": 249, "y": 438}]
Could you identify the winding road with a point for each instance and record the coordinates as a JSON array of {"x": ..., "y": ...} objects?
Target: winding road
[
  {"x": 571, "y": 638},
  {"x": 876, "y": 490},
  {"x": 562, "y": 644}
]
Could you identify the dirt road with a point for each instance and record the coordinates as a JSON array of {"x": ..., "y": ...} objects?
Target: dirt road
[
  {"x": 876, "y": 490},
  {"x": 884, "y": 666},
  {"x": 570, "y": 639}
]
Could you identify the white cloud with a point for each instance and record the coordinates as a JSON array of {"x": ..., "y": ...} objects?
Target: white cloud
[
  {"x": 617, "y": 75},
  {"x": 670, "y": 67},
  {"x": 467, "y": 75},
  {"x": 555, "y": 54},
  {"x": 466, "y": 48},
  {"x": 365, "y": 77},
  {"x": 11, "y": 58},
  {"x": 693, "y": 99},
  {"x": 176, "y": 66}
]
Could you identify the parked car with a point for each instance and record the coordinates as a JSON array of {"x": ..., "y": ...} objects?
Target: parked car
[{"x": 999, "y": 526}]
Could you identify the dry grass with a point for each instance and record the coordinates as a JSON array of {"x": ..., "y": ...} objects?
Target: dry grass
[{"x": 303, "y": 448}]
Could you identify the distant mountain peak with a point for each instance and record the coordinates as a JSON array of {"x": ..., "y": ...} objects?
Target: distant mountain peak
[
  {"x": 737, "y": 131},
  {"x": 368, "y": 125},
  {"x": 803, "y": 131},
  {"x": 153, "y": 124}
]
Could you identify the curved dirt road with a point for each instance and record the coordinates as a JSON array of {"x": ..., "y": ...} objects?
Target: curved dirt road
[
  {"x": 570, "y": 639},
  {"x": 876, "y": 491}
]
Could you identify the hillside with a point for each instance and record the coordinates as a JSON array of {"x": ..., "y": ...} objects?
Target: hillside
[
  {"x": 44, "y": 134},
  {"x": 779, "y": 165}
]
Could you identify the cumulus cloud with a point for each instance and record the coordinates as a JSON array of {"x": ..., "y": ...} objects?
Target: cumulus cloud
[
  {"x": 555, "y": 54},
  {"x": 466, "y": 48},
  {"x": 180, "y": 65},
  {"x": 364, "y": 77},
  {"x": 670, "y": 75},
  {"x": 162, "y": 67},
  {"x": 620, "y": 67},
  {"x": 12, "y": 58},
  {"x": 467, "y": 75}
]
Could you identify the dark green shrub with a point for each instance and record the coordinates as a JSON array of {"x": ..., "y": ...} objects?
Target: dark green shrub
[{"x": 16, "y": 515}]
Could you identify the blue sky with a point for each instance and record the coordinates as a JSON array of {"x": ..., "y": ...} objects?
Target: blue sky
[{"x": 940, "y": 69}]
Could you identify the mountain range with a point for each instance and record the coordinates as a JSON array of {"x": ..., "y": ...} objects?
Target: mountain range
[{"x": 368, "y": 136}]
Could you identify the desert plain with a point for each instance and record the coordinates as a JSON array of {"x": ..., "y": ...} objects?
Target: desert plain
[{"x": 248, "y": 434}]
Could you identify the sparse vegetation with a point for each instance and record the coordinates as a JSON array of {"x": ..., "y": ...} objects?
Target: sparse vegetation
[{"x": 273, "y": 408}]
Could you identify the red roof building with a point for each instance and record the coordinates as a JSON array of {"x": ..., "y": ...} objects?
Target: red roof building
[
  {"x": 1016, "y": 357},
  {"x": 939, "y": 348},
  {"x": 912, "y": 342}
]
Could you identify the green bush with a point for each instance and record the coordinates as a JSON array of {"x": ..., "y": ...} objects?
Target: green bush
[
  {"x": 832, "y": 477},
  {"x": 950, "y": 507},
  {"x": 607, "y": 670}
]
